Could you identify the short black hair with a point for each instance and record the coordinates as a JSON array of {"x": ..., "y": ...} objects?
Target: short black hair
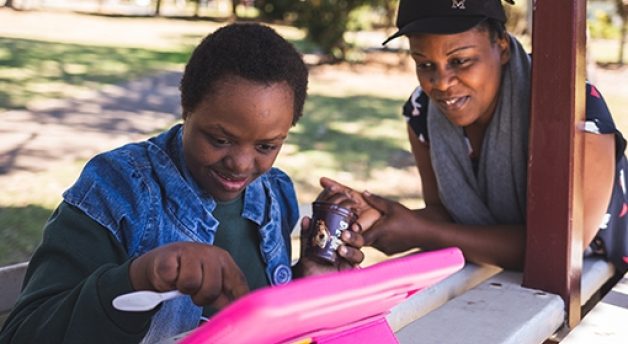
[
  {"x": 496, "y": 29},
  {"x": 249, "y": 50}
]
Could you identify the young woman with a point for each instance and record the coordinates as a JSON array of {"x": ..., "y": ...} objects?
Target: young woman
[
  {"x": 468, "y": 129},
  {"x": 198, "y": 208}
]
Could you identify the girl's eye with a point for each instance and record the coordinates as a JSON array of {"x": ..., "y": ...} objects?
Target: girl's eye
[
  {"x": 267, "y": 148},
  {"x": 219, "y": 142}
]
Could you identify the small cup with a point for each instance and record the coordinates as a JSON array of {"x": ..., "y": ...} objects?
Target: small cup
[{"x": 328, "y": 222}]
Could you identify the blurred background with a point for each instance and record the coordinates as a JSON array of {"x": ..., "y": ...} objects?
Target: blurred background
[{"x": 78, "y": 77}]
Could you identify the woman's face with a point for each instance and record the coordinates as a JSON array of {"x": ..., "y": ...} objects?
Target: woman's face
[
  {"x": 461, "y": 73},
  {"x": 235, "y": 134}
]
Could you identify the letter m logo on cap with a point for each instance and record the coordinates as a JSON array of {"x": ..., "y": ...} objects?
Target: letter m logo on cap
[{"x": 458, "y": 4}]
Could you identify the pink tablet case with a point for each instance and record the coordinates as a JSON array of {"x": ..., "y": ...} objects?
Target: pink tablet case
[{"x": 344, "y": 307}]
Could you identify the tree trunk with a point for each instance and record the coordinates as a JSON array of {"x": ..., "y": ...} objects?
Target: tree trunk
[
  {"x": 197, "y": 9},
  {"x": 9, "y": 4},
  {"x": 234, "y": 9},
  {"x": 158, "y": 8}
]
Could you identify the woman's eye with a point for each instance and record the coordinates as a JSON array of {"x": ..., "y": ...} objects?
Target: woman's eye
[
  {"x": 459, "y": 62},
  {"x": 423, "y": 66}
]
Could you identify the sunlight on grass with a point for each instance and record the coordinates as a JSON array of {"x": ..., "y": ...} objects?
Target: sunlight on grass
[
  {"x": 353, "y": 139},
  {"x": 26, "y": 202},
  {"x": 16, "y": 74},
  {"x": 5, "y": 53},
  {"x": 43, "y": 188},
  {"x": 74, "y": 68},
  {"x": 51, "y": 70},
  {"x": 20, "y": 232}
]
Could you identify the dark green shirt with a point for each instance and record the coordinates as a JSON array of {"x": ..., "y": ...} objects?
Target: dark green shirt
[
  {"x": 76, "y": 272},
  {"x": 240, "y": 237}
]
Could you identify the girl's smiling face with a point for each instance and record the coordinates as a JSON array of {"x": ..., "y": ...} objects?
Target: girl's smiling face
[
  {"x": 461, "y": 73},
  {"x": 235, "y": 134}
]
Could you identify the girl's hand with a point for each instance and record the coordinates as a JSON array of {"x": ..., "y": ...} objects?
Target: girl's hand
[
  {"x": 349, "y": 253},
  {"x": 205, "y": 272}
]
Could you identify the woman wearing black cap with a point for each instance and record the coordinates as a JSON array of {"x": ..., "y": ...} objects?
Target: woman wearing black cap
[{"x": 468, "y": 128}]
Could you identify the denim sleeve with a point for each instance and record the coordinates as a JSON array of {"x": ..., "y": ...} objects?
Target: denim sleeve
[
  {"x": 112, "y": 191},
  {"x": 288, "y": 202}
]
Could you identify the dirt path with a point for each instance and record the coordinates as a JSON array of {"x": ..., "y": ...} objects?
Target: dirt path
[{"x": 61, "y": 131}]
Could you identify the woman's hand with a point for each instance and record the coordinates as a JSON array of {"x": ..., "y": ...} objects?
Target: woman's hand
[
  {"x": 398, "y": 229},
  {"x": 349, "y": 253},
  {"x": 205, "y": 272},
  {"x": 367, "y": 215}
]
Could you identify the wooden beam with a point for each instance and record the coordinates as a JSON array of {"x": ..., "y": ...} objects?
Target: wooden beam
[{"x": 554, "y": 221}]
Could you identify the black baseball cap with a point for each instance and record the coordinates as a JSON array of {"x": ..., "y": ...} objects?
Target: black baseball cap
[{"x": 445, "y": 16}]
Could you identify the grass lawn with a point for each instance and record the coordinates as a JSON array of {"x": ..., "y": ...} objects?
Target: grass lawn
[
  {"x": 34, "y": 70},
  {"x": 351, "y": 130}
]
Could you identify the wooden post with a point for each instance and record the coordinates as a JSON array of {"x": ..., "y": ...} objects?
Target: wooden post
[{"x": 554, "y": 220}]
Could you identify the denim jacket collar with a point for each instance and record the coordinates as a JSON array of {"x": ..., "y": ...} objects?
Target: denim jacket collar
[{"x": 255, "y": 198}]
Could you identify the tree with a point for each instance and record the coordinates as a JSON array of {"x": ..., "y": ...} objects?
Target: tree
[
  {"x": 234, "y": 8},
  {"x": 274, "y": 9},
  {"x": 158, "y": 8},
  {"x": 9, "y": 4},
  {"x": 390, "y": 8},
  {"x": 326, "y": 22},
  {"x": 197, "y": 8}
]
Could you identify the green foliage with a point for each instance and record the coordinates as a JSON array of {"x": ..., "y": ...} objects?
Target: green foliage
[
  {"x": 361, "y": 18},
  {"x": 275, "y": 9},
  {"x": 326, "y": 22},
  {"x": 601, "y": 26}
]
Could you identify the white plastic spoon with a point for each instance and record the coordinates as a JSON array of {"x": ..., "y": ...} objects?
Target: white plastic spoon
[{"x": 143, "y": 300}]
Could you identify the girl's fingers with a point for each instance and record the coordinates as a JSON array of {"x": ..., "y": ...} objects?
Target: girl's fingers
[
  {"x": 352, "y": 239},
  {"x": 353, "y": 255}
]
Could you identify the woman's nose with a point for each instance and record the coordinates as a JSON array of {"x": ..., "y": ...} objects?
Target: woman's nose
[{"x": 442, "y": 78}]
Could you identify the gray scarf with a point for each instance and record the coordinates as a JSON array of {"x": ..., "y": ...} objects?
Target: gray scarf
[{"x": 497, "y": 195}]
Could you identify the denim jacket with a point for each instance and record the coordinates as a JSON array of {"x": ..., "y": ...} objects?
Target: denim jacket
[{"x": 145, "y": 196}]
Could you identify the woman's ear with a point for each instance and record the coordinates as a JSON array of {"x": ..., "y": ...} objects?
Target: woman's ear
[{"x": 504, "y": 49}]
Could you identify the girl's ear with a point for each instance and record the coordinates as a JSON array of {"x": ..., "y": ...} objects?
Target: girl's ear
[{"x": 504, "y": 49}]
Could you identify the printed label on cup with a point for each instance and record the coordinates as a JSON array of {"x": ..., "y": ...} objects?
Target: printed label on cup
[{"x": 328, "y": 222}]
